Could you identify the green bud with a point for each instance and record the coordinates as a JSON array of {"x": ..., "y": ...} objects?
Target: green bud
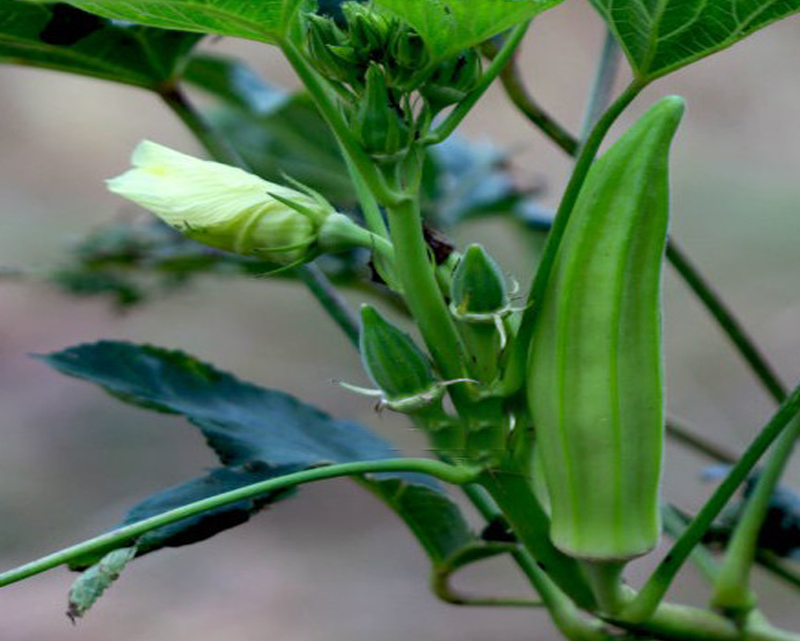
[
  {"x": 395, "y": 364},
  {"x": 408, "y": 57},
  {"x": 324, "y": 37},
  {"x": 452, "y": 80},
  {"x": 231, "y": 209},
  {"x": 479, "y": 288},
  {"x": 381, "y": 127},
  {"x": 370, "y": 32}
]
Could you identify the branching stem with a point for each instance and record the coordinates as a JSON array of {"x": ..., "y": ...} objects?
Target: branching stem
[{"x": 125, "y": 535}]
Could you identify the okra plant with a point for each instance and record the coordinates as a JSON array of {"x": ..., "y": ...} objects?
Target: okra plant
[{"x": 541, "y": 395}]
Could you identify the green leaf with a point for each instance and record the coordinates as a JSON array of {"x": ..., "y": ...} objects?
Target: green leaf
[
  {"x": 61, "y": 37},
  {"x": 240, "y": 421},
  {"x": 264, "y": 20},
  {"x": 450, "y": 26},
  {"x": 257, "y": 433},
  {"x": 203, "y": 526},
  {"x": 660, "y": 36},
  {"x": 91, "y": 585}
]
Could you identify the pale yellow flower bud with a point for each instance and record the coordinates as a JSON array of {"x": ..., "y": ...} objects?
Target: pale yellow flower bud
[{"x": 223, "y": 206}]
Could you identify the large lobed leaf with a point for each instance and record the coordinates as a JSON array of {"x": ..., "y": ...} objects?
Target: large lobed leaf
[
  {"x": 61, "y": 37},
  {"x": 659, "y": 36},
  {"x": 258, "y": 434},
  {"x": 264, "y": 20},
  {"x": 450, "y": 26}
]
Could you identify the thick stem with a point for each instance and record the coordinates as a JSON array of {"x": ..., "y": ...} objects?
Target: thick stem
[
  {"x": 657, "y": 585},
  {"x": 125, "y": 535},
  {"x": 417, "y": 277},
  {"x": 513, "y": 495},
  {"x": 732, "y": 589}
]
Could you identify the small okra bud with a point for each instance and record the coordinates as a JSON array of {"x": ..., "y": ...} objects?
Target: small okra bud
[
  {"x": 408, "y": 57},
  {"x": 380, "y": 125},
  {"x": 231, "y": 209},
  {"x": 395, "y": 364},
  {"x": 595, "y": 384},
  {"x": 324, "y": 37},
  {"x": 479, "y": 288},
  {"x": 370, "y": 31},
  {"x": 452, "y": 80}
]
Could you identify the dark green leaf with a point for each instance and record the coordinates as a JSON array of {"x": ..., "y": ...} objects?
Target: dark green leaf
[
  {"x": 203, "y": 526},
  {"x": 241, "y": 421},
  {"x": 258, "y": 433},
  {"x": 434, "y": 519},
  {"x": 58, "y": 36},
  {"x": 264, "y": 20},
  {"x": 659, "y": 36},
  {"x": 450, "y": 26},
  {"x": 91, "y": 585}
]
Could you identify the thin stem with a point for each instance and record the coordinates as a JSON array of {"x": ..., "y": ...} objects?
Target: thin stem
[
  {"x": 511, "y": 79},
  {"x": 732, "y": 589},
  {"x": 369, "y": 206},
  {"x": 562, "y": 610},
  {"x": 219, "y": 149},
  {"x": 603, "y": 84},
  {"x": 726, "y": 320},
  {"x": 314, "y": 84},
  {"x": 584, "y": 162},
  {"x": 675, "y": 526},
  {"x": 521, "y": 508},
  {"x": 777, "y": 566},
  {"x": 679, "y": 432},
  {"x": 645, "y": 603},
  {"x": 217, "y": 146},
  {"x": 461, "y": 110},
  {"x": 331, "y": 300},
  {"x": 125, "y": 535}
]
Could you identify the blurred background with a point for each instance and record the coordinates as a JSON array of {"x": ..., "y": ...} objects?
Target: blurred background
[{"x": 333, "y": 564}]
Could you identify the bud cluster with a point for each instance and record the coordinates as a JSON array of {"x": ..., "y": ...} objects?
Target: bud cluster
[{"x": 389, "y": 86}]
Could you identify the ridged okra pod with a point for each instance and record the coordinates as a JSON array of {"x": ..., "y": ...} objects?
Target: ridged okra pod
[{"x": 595, "y": 373}]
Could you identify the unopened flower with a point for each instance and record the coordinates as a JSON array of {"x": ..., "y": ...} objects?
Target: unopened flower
[{"x": 231, "y": 209}]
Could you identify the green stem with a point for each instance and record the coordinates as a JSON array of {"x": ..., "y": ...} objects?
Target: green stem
[
  {"x": 127, "y": 534},
  {"x": 369, "y": 206},
  {"x": 219, "y": 149},
  {"x": 217, "y": 146},
  {"x": 680, "y": 433},
  {"x": 363, "y": 163},
  {"x": 512, "y": 493},
  {"x": 726, "y": 320},
  {"x": 603, "y": 84},
  {"x": 331, "y": 300},
  {"x": 528, "y": 107},
  {"x": 461, "y": 110},
  {"x": 562, "y": 610},
  {"x": 605, "y": 578},
  {"x": 584, "y": 162},
  {"x": 675, "y": 526},
  {"x": 732, "y": 589},
  {"x": 417, "y": 277},
  {"x": 657, "y": 585}
]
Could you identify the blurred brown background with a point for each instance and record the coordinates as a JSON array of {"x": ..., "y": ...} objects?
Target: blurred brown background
[{"x": 332, "y": 564}]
